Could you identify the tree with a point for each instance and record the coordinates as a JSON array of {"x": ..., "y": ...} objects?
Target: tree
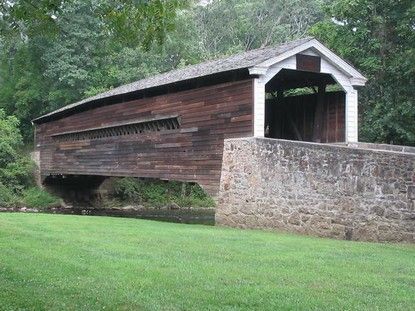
[
  {"x": 15, "y": 169},
  {"x": 22, "y": 87},
  {"x": 54, "y": 52},
  {"x": 235, "y": 25},
  {"x": 379, "y": 38},
  {"x": 149, "y": 19}
]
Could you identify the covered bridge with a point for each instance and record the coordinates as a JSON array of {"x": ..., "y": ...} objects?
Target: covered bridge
[{"x": 172, "y": 126}]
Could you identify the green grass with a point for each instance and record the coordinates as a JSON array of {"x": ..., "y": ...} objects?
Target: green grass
[{"x": 54, "y": 262}]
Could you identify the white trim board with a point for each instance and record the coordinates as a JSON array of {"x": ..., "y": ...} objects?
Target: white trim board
[
  {"x": 317, "y": 48},
  {"x": 344, "y": 74}
]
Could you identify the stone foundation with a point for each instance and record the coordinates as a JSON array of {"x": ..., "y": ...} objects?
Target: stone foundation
[{"x": 325, "y": 190}]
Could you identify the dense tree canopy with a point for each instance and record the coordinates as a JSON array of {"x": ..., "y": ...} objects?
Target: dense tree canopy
[
  {"x": 379, "y": 37},
  {"x": 235, "y": 25},
  {"x": 151, "y": 19},
  {"x": 54, "y": 52}
]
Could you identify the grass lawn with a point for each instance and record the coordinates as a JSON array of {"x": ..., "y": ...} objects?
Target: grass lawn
[{"x": 54, "y": 262}]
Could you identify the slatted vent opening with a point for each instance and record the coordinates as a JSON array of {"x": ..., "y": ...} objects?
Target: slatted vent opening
[{"x": 157, "y": 125}]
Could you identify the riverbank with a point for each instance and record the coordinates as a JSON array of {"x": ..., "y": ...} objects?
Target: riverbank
[{"x": 172, "y": 213}]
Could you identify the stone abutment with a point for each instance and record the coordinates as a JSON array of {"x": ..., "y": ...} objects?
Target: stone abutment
[{"x": 344, "y": 192}]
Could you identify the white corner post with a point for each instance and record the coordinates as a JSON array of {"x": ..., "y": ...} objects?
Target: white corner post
[
  {"x": 259, "y": 107},
  {"x": 351, "y": 121}
]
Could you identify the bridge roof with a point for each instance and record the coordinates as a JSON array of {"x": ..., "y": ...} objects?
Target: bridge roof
[
  {"x": 234, "y": 62},
  {"x": 245, "y": 60}
]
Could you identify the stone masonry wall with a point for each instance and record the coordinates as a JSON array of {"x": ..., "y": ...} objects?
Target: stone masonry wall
[{"x": 318, "y": 189}]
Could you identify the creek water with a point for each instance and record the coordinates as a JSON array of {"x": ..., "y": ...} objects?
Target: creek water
[{"x": 203, "y": 216}]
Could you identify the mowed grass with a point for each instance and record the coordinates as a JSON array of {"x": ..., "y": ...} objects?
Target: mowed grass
[{"x": 54, "y": 262}]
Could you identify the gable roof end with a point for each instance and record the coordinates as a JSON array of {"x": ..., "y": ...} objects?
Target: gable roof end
[{"x": 356, "y": 78}]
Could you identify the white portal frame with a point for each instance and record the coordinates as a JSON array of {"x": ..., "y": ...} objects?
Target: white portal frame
[{"x": 344, "y": 74}]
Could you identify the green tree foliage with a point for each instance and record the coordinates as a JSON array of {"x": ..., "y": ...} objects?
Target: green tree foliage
[
  {"x": 54, "y": 52},
  {"x": 15, "y": 169},
  {"x": 151, "y": 19},
  {"x": 23, "y": 89},
  {"x": 28, "y": 17},
  {"x": 379, "y": 38},
  {"x": 72, "y": 62},
  {"x": 158, "y": 193},
  {"x": 241, "y": 25}
]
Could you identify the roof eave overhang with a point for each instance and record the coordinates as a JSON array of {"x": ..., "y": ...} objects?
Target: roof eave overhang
[{"x": 57, "y": 114}]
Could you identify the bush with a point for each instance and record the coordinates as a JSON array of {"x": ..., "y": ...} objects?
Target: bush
[
  {"x": 18, "y": 175},
  {"x": 16, "y": 169},
  {"x": 7, "y": 197},
  {"x": 39, "y": 198},
  {"x": 159, "y": 193},
  {"x": 127, "y": 189},
  {"x": 10, "y": 139}
]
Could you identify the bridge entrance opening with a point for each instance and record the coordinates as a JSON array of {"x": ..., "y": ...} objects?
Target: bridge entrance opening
[{"x": 305, "y": 106}]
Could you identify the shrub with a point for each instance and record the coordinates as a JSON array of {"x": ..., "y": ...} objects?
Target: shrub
[
  {"x": 39, "y": 198},
  {"x": 16, "y": 169},
  {"x": 10, "y": 139},
  {"x": 127, "y": 189},
  {"x": 18, "y": 175},
  {"x": 7, "y": 197},
  {"x": 158, "y": 193}
]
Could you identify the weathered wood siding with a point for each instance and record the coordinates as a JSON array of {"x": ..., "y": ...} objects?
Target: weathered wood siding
[{"x": 192, "y": 152}]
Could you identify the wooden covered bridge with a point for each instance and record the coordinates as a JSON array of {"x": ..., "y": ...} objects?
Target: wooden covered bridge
[{"x": 172, "y": 126}]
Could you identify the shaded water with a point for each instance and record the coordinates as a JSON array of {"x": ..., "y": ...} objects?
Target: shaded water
[{"x": 187, "y": 216}]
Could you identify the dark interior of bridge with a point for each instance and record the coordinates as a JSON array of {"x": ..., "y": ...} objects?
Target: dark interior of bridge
[{"x": 304, "y": 106}]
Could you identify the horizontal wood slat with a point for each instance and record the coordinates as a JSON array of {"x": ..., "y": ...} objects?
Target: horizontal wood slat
[{"x": 191, "y": 153}]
